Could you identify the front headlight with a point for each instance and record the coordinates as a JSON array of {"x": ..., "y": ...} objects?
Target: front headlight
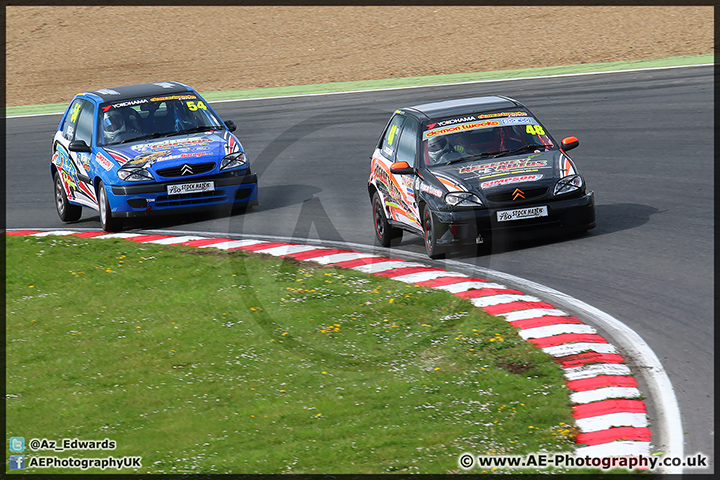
[
  {"x": 233, "y": 160},
  {"x": 134, "y": 175},
  {"x": 463, "y": 199},
  {"x": 568, "y": 184}
]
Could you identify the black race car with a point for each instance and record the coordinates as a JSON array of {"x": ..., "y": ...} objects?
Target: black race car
[{"x": 456, "y": 170}]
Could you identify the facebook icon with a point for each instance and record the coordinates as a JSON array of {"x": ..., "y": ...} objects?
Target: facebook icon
[{"x": 17, "y": 462}]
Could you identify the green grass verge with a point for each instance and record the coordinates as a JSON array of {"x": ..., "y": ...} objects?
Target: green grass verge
[
  {"x": 205, "y": 361},
  {"x": 405, "y": 82}
]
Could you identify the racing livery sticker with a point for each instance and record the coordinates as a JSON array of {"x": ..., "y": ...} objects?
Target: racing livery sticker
[
  {"x": 400, "y": 197},
  {"x": 504, "y": 166},
  {"x": 173, "y": 143},
  {"x": 509, "y": 180},
  {"x": 148, "y": 158},
  {"x": 174, "y": 97},
  {"x": 126, "y": 103},
  {"x": 460, "y": 128},
  {"x": 231, "y": 145},
  {"x": 104, "y": 161},
  {"x": 74, "y": 188},
  {"x": 427, "y": 188},
  {"x": 120, "y": 158},
  {"x": 501, "y": 114},
  {"x": 566, "y": 166},
  {"x": 449, "y": 182}
]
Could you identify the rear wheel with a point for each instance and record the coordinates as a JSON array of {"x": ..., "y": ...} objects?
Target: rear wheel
[
  {"x": 107, "y": 222},
  {"x": 66, "y": 210},
  {"x": 431, "y": 245},
  {"x": 384, "y": 232}
]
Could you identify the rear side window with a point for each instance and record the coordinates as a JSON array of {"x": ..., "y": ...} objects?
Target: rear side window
[
  {"x": 70, "y": 123},
  {"x": 85, "y": 124},
  {"x": 407, "y": 145},
  {"x": 390, "y": 140},
  {"x": 78, "y": 123}
]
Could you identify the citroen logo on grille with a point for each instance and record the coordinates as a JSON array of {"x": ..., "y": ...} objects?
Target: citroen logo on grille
[
  {"x": 186, "y": 170},
  {"x": 518, "y": 194}
]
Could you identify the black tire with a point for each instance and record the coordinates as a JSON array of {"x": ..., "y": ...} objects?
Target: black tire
[
  {"x": 429, "y": 228},
  {"x": 384, "y": 232},
  {"x": 107, "y": 222},
  {"x": 66, "y": 211}
]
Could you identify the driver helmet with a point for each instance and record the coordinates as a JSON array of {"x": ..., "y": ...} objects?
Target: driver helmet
[
  {"x": 113, "y": 125},
  {"x": 437, "y": 147}
]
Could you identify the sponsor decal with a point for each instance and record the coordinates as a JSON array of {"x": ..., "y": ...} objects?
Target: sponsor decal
[
  {"x": 173, "y": 143},
  {"x": 487, "y": 168},
  {"x": 524, "y": 171},
  {"x": 174, "y": 97},
  {"x": 107, "y": 91},
  {"x": 501, "y": 114},
  {"x": 518, "y": 121},
  {"x": 424, "y": 187},
  {"x": 84, "y": 159},
  {"x": 75, "y": 112},
  {"x": 127, "y": 103},
  {"x": 146, "y": 158},
  {"x": 461, "y": 128},
  {"x": 182, "y": 155},
  {"x": 452, "y": 121},
  {"x": 104, "y": 161},
  {"x": 509, "y": 180}
]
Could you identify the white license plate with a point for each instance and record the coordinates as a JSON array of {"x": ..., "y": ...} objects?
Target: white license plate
[
  {"x": 190, "y": 188},
  {"x": 522, "y": 213}
]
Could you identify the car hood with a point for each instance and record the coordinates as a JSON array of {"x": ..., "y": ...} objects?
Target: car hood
[
  {"x": 487, "y": 176},
  {"x": 173, "y": 151}
]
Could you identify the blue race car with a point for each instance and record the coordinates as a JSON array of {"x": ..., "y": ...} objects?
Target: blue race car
[{"x": 148, "y": 149}]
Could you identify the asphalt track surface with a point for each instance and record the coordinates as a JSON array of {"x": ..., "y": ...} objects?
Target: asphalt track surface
[{"x": 646, "y": 149}]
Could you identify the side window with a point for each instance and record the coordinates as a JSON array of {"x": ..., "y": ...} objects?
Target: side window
[
  {"x": 83, "y": 130},
  {"x": 390, "y": 140},
  {"x": 68, "y": 129},
  {"x": 407, "y": 145}
]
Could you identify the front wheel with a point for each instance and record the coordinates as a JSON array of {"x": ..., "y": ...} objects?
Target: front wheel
[
  {"x": 386, "y": 234},
  {"x": 107, "y": 222},
  {"x": 429, "y": 228},
  {"x": 66, "y": 210}
]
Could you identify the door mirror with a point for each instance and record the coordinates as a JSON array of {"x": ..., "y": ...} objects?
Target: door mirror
[
  {"x": 230, "y": 125},
  {"x": 568, "y": 143},
  {"x": 401, "y": 168},
  {"x": 79, "y": 146}
]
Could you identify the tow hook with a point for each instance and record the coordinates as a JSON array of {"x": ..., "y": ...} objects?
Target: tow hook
[
  {"x": 479, "y": 240},
  {"x": 147, "y": 211}
]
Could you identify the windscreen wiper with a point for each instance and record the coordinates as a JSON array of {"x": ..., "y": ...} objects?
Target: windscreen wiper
[
  {"x": 521, "y": 149},
  {"x": 471, "y": 157}
]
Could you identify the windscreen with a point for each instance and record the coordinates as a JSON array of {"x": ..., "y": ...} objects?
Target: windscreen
[
  {"x": 153, "y": 117},
  {"x": 480, "y": 136}
]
